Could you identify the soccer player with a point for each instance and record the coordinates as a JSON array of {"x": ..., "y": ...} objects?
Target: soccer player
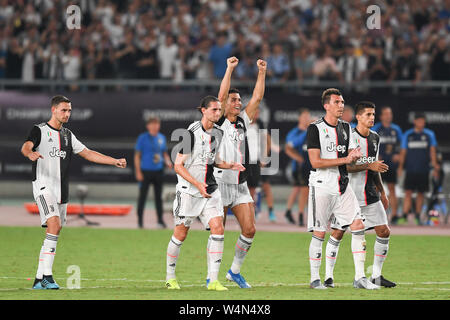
[
  {"x": 330, "y": 149},
  {"x": 233, "y": 185},
  {"x": 390, "y": 141},
  {"x": 297, "y": 150},
  {"x": 366, "y": 182},
  {"x": 50, "y": 146},
  {"x": 197, "y": 194},
  {"x": 418, "y": 150},
  {"x": 259, "y": 142}
]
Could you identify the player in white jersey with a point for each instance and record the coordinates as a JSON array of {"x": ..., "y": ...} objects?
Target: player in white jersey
[
  {"x": 330, "y": 149},
  {"x": 366, "y": 182},
  {"x": 233, "y": 185},
  {"x": 197, "y": 194},
  {"x": 50, "y": 146}
]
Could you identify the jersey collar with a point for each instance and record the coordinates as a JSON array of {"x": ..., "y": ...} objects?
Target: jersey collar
[
  {"x": 323, "y": 118},
  {"x": 361, "y": 134},
  {"x": 52, "y": 127}
]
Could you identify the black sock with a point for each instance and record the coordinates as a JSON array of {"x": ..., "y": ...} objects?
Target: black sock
[{"x": 49, "y": 278}]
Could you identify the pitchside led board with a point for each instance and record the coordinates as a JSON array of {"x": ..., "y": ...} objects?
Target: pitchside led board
[{"x": 111, "y": 122}]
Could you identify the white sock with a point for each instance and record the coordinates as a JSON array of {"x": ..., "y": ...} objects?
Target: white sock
[
  {"x": 40, "y": 270},
  {"x": 48, "y": 253},
  {"x": 215, "y": 254},
  {"x": 331, "y": 253},
  {"x": 207, "y": 256},
  {"x": 359, "y": 252},
  {"x": 381, "y": 249},
  {"x": 315, "y": 257},
  {"x": 243, "y": 245},
  {"x": 173, "y": 250}
]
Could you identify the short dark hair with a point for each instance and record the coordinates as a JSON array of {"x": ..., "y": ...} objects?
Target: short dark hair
[
  {"x": 302, "y": 111},
  {"x": 419, "y": 115},
  {"x": 233, "y": 90},
  {"x": 56, "y": 100},
  {"x": 206, "y": 101},
  {"x": 360, "y": 106},
  {"x": 327, "y": 94},
  {"x": 384, "y": 108}
]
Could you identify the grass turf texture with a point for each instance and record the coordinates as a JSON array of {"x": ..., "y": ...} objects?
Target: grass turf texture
[{"x": 130, "y": 264}]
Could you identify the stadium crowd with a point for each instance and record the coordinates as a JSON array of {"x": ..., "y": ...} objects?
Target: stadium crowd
[{"x": 154, "y": 39}]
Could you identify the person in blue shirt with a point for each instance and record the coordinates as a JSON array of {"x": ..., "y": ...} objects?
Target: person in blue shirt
[
  {"x": 218, "y": 55},
  {"x": 294, "y": 148},
  {"x": 390, "y": 141},
  {"x": 149, "y": 159},
  {"x": 418, "y": 149}
]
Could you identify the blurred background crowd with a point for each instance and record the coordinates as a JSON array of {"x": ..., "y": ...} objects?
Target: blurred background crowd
[{"x": 180, "y": 39}]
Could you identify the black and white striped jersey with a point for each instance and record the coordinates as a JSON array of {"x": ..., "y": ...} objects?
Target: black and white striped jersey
[
  {"x": 234, "y": 148},
  {"x": 202, "y": 148},
  {"x": 51, "y": 174},
  {"x": 333, "y": 142},
  {"x": 363, "y": 182}
]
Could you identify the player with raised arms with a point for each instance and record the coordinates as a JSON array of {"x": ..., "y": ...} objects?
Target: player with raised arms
[
  {"x": 233, "y": 185},
  {"x": 197, "y": 193},
  {"x": 50, "y": 146}
]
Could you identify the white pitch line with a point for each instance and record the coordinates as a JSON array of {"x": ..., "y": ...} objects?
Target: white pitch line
[{"x": 202, "y": 284}]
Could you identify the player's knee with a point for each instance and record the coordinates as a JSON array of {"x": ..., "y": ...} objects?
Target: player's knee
[
  {"x": 249, "y": 232},
  {"x": 337, "y": 234},
  {"x": 180, "y": 234},
  {"x": 384, "y": 232},
  {"x": 217, "y": 229},
  {"x": 357, "y": 225},
  {"x": 319, "y": 234}
]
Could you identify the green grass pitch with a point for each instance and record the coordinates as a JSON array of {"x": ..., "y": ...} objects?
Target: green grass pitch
[{"x": 130, "y": 264}]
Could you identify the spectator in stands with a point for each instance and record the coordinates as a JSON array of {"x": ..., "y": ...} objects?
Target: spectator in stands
[
  {"x": 146, "y": 62},
  {"x": 378, "y": 66},
  {"x": 405, "y": 67},
  {"x": 219, "y": 53},
  {"x": 198, "y": 62},
  {"x": 440, "y": 60},
  {"x": 51, "y": 56},
  {"x": 418, "y": 31},
  {"x": 167, "y": 54},
  {"x": 3, "y": 53},
  {"x": 246, "y": 68},
  {"x": 14, "y": 60},
  {"x": 278, "y": 66},
  {"x": 304, "y": 63},
  {"x": 126, "y": 57},
  {"x": 72, "y": 66},
  {"x": 325, "y": 67}
]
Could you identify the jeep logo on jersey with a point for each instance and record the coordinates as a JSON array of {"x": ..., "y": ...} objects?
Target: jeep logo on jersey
[
  {"x": 207, "y": 154},
  {"x": 236, "y": 136},
  {"x": 333, "y": 148},
  {"x": 364, "y": 159},
  {"x": 57, "y": 153}
]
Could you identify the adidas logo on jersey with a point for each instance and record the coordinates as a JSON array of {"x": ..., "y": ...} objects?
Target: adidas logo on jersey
[
  {"x": 57, "y": 153},
  {"x": 333, "y": 148}
]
